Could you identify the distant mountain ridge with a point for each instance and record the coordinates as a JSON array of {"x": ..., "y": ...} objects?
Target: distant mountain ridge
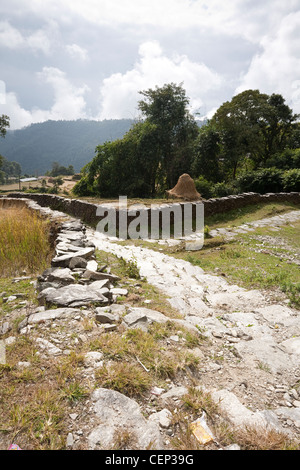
[{"x": 37, "y": 146}]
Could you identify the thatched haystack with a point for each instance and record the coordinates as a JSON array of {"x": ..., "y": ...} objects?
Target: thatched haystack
[{"x": 184, "y": 189}]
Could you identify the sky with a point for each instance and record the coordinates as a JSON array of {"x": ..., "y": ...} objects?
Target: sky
[{"x": 68, "y": 59}]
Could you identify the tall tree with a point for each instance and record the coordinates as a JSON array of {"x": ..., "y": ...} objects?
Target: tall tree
[
  {"x": 167, "y": 108},
  {"x": 253, "y": 124},
  {"x": 151, "y": 155},
  {"x": 4, "y": 123},
  {"x": 206, "y": 154},
  {"x": 127, "y": 166}
]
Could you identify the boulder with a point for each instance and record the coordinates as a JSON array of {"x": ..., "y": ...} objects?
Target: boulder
[{"x": 116, "y": 413}]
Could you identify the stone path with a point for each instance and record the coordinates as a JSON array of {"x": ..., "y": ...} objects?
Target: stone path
[
  {"x": 262, "y": 335},
  {"x": 212, "y": 304},
  {"x": 274, "y": 222}
]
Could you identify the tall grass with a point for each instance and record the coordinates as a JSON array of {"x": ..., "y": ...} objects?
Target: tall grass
[{"x": 24, "y": 244}]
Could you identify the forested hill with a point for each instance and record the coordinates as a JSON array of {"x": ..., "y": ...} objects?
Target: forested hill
[{"x": 37, "y": 146}]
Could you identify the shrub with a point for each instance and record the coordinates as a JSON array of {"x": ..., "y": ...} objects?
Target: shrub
[
  {"x": 266, "y": 180},
  {"x": 204, "y": 187},
  {"x": 291, "y": 180},
  {"x": 224, "y": 189}
]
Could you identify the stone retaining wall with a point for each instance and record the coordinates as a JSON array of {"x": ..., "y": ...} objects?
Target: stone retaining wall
[{"x": 87, "y": 212}]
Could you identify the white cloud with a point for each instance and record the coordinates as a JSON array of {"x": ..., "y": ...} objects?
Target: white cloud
[
  {"x": 250, "y": 19},
  {"x": 277, "y": 68},
  {"x": 77, "y": 52},
  {"x": 120, "y": 92},
  {"x": 10, "y": 37},
  {"x": 69, "y": 101},
  {"x": 39, "y": 40}
]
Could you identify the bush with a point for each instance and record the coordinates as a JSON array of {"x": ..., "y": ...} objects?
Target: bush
[
  {"x": 266, "y": 180},
  {"x": 291, "y": 180},
  {"x": 204, "y": 187},
  {"x": 224, "y": 189}
]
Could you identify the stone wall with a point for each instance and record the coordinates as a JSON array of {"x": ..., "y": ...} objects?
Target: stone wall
[{"x": 87, "y": 212}]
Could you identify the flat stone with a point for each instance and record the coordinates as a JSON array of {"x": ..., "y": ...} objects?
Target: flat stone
[
  {"x": 92, "y": 265},
  {"x": 78, "y": 262},
  {"x": 119, "y": 291},
  {"x": 94, "y": 275},
  {"x": 174, "y": 393},
  {"x": 65, "y": 260},
  {"x": 63, "y": 248},
  {"x": 289, "y": 413},
  {"x": 75, "y": 225},
  {"x": 62, "y": 275},
  {"x": 106, "y": 317},
  {"x": 114, "y": 412},
  {"x": 5, "y": 328},
  {"x": 292, "y": 345},
  {"x": 237, "y": 300},
  {"x": 74, "y": 295},
  {"x": 53, "y": 314},
  {"x": 240, "y": 416},
  {"x": 153, "y": 316},
  {"x": 136, "y": 320}
]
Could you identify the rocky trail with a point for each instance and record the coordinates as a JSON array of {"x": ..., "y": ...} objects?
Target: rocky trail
[{"x": 250, "y": 363}]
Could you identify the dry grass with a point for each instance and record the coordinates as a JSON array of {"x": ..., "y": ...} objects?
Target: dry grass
[
  {"x": 24, "y": 244},
  {"x": 264, "y": 439}
]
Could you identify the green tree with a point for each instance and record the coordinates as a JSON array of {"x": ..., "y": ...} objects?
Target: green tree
[
  {"x": 253, "y": 125},
  {"x": 4, "y": 123},
  {"x": 151, "y": 155},
  {"x": 207, "y": 151},
  {"x": 127, "y": 166},
  {"x": 167, "y": 108},
  {"x": 59, "y": 170}
]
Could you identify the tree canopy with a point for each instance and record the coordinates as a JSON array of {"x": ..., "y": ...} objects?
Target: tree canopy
[
  {"x": 250, "y": 134},
  {"x": 152, "y": 154},
  {"x": 253, "y": 125}
]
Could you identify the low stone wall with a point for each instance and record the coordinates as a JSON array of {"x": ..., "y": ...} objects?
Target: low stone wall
[{"x": 87, "y": 212}]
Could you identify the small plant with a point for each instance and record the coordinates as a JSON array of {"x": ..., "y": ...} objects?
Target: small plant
[
  {"x": 198, "y": 400},
  {"x": 74, "y": 391},
  {"x": 131, "y": 269},
  {"x": 129, "y": 379}
]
